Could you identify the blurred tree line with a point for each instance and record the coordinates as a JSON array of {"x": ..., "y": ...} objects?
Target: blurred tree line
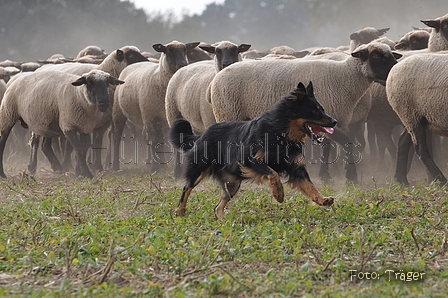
[{"x": 36, "y": 29}]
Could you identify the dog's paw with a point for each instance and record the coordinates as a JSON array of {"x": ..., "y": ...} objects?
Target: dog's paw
[
  {"x": 327, "y": 201},
  {"x": 180, "y": 211}
]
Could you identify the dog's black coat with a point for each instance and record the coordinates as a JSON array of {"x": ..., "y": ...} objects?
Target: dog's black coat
[{"x": 273, "y": 141}]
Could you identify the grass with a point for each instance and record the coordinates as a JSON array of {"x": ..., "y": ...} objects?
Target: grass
[{"x": 117, "y": 236}]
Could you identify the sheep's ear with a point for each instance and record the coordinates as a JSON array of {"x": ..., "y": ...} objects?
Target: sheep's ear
[
  {"x": 432, "y": 23},
  {"x": 243, "y": 47},
  {"x": 159, "y": 48},
  {"x": 80, "y": 81},
  {"x": 115, "y": 81},
  {"x": 361, "y": 54},
  {"x": 208, "y": 48},
  {"x": 397, "y": 55},
  {"x": 354, "y": 36},
  {"x": 191, "y": 45},
  {"x": 382, "y": 31},
  {"x": 120, "y": 55}
]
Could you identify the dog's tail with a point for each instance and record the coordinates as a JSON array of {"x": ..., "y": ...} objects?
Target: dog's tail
[{"x": 181, "y": 135}]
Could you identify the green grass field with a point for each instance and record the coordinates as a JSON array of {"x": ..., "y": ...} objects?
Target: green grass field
[{"x": 118, "y": 236}]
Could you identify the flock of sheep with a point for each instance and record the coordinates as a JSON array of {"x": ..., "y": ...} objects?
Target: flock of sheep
[{"x": 371, "y": 86}]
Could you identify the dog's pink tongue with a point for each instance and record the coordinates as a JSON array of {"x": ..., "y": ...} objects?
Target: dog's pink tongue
[
  {"x": 317, "y": 129},
  {"x": 329, "y": 130}
]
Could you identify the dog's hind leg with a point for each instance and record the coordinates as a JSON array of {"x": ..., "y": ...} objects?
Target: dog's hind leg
[
  {"x": 230, "y": 185},
  {"x": 261, "y": 173},
  {"x": 302, "y": 182},
  {"x": 192, "y": 181}
]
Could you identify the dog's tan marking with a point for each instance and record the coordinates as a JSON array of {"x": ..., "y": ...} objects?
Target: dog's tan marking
[
  {"x": 259, "y": 155},
  {"x": 230, "y": 185},
  {"x": 273, "y": 178},
  {"x": 309, "y": 190},
  {"x": 181, "y": 207},
  {"x": 180, "y": 211},
  {"x": 295, "y": 131}
]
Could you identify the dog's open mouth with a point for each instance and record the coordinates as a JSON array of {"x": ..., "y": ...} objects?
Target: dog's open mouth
[{"x": 317, "y": 132}]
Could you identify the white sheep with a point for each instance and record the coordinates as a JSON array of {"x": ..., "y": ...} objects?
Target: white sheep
[
  {"x": 187, "y": 89},
  {"x": 113, "y": 64},
  {"x": 413, "y": 40},
  {"x": 93, "y": 51},
  {"x": 438, "y": 38},
  {"x": 246, "y": 89},
  {"x": 364, "y": 36},
  {"x": 54, "y": 103},
  {"x": 142, "y": 99},
  {"x": 417, "y": 91}
]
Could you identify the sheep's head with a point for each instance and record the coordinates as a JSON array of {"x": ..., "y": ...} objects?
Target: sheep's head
[
  {"x": 367, "y": 34},
  {"x": 174, "y": 54},
  {"x": 377, "y": 60},
  {"x": 438, "y": 40},
  {"x": 226, "y": 52},
  {"x": 97, "y": 87},
  {"x": 414, "y": 40},
  {"x": 129, "y": 55},
  {"x": 306, "y": 116}
]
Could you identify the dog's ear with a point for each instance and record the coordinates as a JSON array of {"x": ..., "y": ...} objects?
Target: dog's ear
[
  {"x": 300, "y": 91},
  {"x": 310, "y": 89}
]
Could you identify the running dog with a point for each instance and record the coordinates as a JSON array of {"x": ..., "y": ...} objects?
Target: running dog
[{"x": 261, "y": 150}]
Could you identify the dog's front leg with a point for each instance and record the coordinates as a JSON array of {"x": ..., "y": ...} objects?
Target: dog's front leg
[{"x": 303, "y": 183}]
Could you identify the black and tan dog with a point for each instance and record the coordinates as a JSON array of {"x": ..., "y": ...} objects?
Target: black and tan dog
[{"x": 261, "y": 150}]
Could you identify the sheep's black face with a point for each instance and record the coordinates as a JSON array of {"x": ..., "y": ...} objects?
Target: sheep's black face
[
  {"x": 306, "y": 116},
  {"x": 98, "y": 93},
  {"x": 133, "y": 56},
  {"x": 379, "y": 59},
  {"x": 97, "y": 87},
  {"x": 381, "y": 62},
  {"x": 226, "y": 56},
  {"x": 176, "y": 56},
  {"x": 175, "y": 53},
  {"x": 226, "y": 53}
]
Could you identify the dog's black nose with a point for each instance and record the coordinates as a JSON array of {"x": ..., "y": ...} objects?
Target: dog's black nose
[{"x": 334, "y": 122}]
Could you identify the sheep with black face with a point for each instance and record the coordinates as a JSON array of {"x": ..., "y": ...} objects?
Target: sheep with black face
[{"x": 53, "y": 104}]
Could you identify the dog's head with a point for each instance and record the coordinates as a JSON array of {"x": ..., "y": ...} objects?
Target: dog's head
[{"x": 306, "y": 116}]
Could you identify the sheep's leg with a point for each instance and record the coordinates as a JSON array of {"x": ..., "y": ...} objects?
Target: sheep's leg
[
  {"x": 3, "y": 137},
  {"x": 34, "y": 144},
  {"x": 156, "y": 146},
  {"x": 373, "y": 139},
  {"x": 98, "y": 134},
  {"x": 115, "y": 133},
  {"x": 423, "y": 151},
  {"x": 47, "y": 149},
  {"x": 80, "y": 145},
  {"x": 349, "y": 149},
  {"x": 357, "y": 131},
  {"x": 67, "y": 150},
  {"x": 403, "y": 149},
  {"x": 385, "y": 142},
  {"x": 324, "y": 172},
  {"x": 56, "y": 144}
]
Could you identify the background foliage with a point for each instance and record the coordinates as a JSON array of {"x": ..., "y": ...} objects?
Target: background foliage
[{"x": 31, "y": 30}]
